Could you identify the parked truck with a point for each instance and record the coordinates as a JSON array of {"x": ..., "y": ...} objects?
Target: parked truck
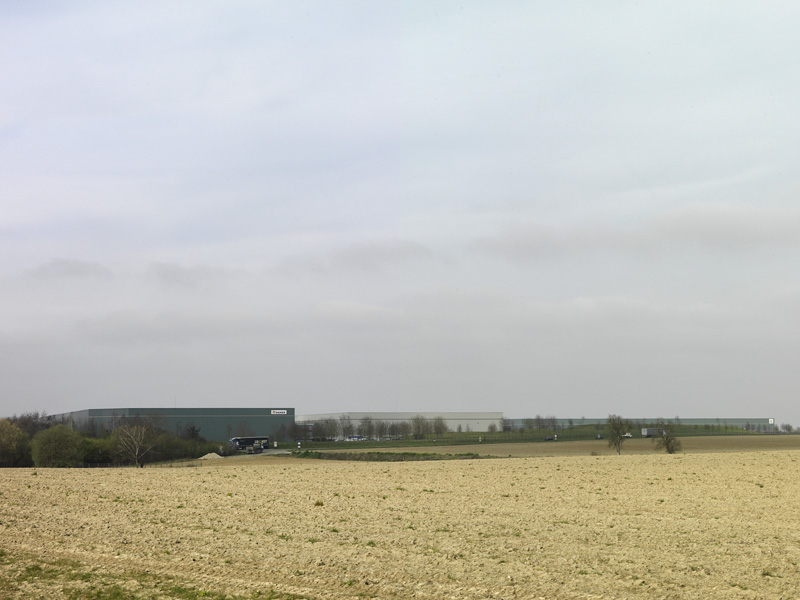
[
  {"x": 649, "y": 432},
  {"x": 251, "y": 445}
]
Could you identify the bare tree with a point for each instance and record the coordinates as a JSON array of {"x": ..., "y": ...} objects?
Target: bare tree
[
  {"x": 317, "y": 430},
  {"x": 330, "y": 427},
  {"x": 243, "y": 429},
  {"x": 665, "y": 439},
  {"x": 32, "y": 422},
  {"x": 381, "y": 428},
  {"x": 440, "y": 425},
  {"x": 420, "y": 426},
  {"x": 404, "y": 429},
  {"x": 787, "y": 427},
  {"x": 346, "y": 426},
  {"x": 366, "y": 427},
  {"x": 618, "y": 431},
  {"x": 297, "y": 431},
  {"x": 134, "y": 442}
]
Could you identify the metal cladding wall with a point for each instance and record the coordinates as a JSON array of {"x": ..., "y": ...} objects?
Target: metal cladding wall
[
  {"x": 758, "y": 424},
  {"x": 215, "y": 424},
  {"x": 468, "y": 421}
]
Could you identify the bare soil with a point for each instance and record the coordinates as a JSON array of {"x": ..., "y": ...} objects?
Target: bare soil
[{"x": 703, "y": 524}]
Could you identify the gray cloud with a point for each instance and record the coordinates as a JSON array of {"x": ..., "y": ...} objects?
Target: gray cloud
[
  {"x": 134, "y": 328},
  {"x": 171, "y": 274},
  {"x": 71, "y": 270},
  {"x": 370, "y": 257},
  {"x": 730, "y": 228},
  {"x": 376, "y": 255}
]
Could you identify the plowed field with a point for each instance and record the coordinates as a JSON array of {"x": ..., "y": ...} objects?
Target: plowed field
[{"x": 706, "y": 525}]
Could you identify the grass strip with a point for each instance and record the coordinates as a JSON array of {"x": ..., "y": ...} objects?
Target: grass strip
[{"x": 385, "y": 456}]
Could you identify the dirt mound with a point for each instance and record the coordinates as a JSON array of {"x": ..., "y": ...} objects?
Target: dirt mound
[{"x": 210, "y": 456}]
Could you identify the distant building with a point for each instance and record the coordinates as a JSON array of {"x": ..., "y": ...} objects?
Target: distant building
[
  {"x": 456, "y": 421},
  {"x": 764, "y": 424},
  {"x": 215, "y": 424}
]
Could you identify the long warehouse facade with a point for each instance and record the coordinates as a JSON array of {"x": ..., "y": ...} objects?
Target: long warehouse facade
[
  {"x": 763, "y": 424},
  {"x": 456, "y": 421},
  {"x": 221, "y": 424},
  {"x": 214, "y": 424}
]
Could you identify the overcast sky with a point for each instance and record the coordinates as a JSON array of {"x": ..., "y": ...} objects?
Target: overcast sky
[{"x": 556, "y": 208}]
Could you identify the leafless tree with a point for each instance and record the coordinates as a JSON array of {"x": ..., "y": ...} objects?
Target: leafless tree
[
  {"x": 346, "y": 426},
  {"x": 32, "y": 422},
  {"x": 404, "y": 429},
  {"x": 366, "y": 427},
  {"x": 330, "y": 427},
  {"x": 420, "y": 426},
  {"x": 317, "y": 430},
  {"x": 134, "y": 442},
  {"x": 381, "y": 428}
]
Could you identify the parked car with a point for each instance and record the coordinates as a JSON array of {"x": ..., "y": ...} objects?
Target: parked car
[
  {"x": 548, "y": 439},
  {"x": 627, "y": 435},
  {"x": 598, "y": 437}
]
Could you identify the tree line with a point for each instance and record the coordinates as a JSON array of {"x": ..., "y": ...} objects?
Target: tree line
[
  {"x": 418, "y": 427},
  {"x": 37, "y": 440}
]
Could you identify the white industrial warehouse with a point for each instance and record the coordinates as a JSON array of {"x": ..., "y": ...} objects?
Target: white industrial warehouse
[{"x": 456, "y": 421}]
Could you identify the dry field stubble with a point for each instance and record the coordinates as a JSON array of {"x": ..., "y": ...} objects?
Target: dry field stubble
[{"x": 711, "y": 525}]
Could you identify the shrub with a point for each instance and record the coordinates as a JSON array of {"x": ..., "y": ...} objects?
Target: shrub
[
  {"x": 98, "y": 451},
  {"x": 59, "y": 446},
  {"x": 13, "y": 444}
]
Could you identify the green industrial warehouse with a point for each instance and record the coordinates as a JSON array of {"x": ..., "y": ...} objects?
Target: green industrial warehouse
[{"x": 216, "y": 424}]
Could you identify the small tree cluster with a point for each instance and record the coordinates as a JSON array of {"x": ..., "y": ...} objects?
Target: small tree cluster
[
  {"x": 344, "y": 427},
  {"x": 55, "y": 444},
  {"x": 549, "y": 423},
  {"x": 666, "y": 440}
]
